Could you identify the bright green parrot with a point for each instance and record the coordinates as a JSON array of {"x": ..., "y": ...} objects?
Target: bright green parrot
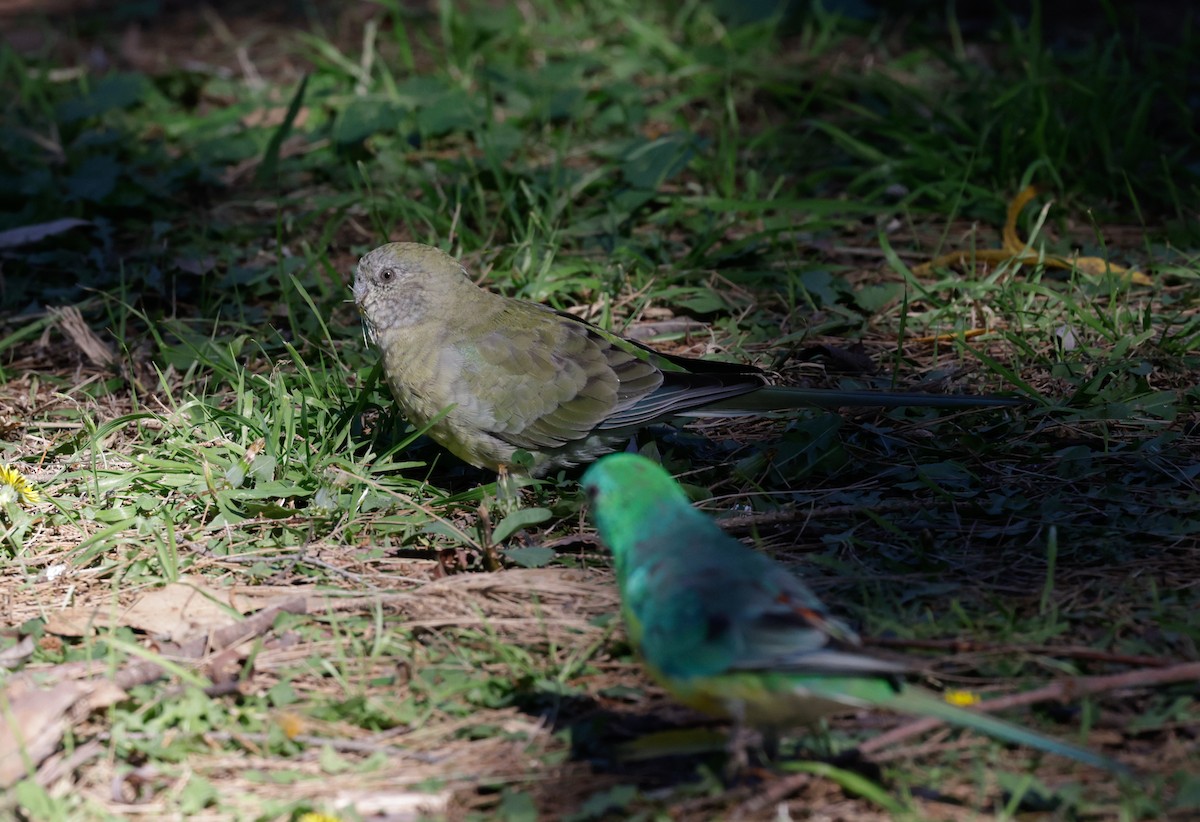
[
  {"x": 490, "y": 375},
  {"x": 730, "y": 632}
]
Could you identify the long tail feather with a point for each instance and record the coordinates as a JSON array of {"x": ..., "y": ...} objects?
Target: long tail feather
[
  {"x": 924, "y": 703},
  {"x": 782, "y": 398}
]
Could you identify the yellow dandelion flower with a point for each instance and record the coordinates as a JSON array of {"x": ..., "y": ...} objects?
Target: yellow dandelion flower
[
  {"x": 318, "y": 817},
  {"x": 962, "y": 699},
  {"x": 15, "y": 487}
]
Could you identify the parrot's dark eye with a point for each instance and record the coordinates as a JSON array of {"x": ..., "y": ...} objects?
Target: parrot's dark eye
[
  {"x": 591, "y": 492},
  {"x": 386, "y": 275}
]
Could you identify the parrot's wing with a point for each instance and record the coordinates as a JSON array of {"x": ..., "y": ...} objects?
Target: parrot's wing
[
  {"x": 670, "y": 363},
  {"x": 718, "y": 614},
  {"x": 553, "y": 383},
  {"x": 679, "y": 393},
  {"x": 687, "y": 383},
  {"x": 684, "y": 632},
  {"x": 786, "y": 628},
  {"x": 561, "y": 379}
]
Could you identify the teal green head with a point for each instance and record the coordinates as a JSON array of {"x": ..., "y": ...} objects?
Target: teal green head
[{"x": 631, "y": 497}]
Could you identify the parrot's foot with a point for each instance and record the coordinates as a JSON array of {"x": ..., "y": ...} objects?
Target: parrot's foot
[
  {"x": 737, "y": 751},
  {"x": 770, "y": 745},
  {"x": 741, "y": 767},
  {"x": 741, "y": 742}
]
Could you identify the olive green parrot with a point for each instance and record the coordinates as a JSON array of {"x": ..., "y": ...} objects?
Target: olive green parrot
[
  {"x": 729, "y": 631},
  {"x": 489, "y": 375}
]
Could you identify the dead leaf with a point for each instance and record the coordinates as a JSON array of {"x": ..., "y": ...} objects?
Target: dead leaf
[
  {"x": 76, "y": 329},
  {"x": 179, "y": 609},
  {"x": 82, "y": 620},
  {"x": 197, "y": 266},
  {"x": 18, "y": 654},
  {"x": 26, "y": 234},
  {"x": 32, "y": 722},
  {"x": 171, "y": 612},
  {"x": 248, "y": 598},
  {"x": 31, "y": 726}
]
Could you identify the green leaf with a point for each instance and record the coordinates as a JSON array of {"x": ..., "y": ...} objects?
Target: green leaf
[
  {"x": 454, "y": 112},
  {"x": 37, "y": 803},
  {"x": 420, "y": 91},
  {"x": 112, "y": 92},
  {"x": 624, "y": 203},
  {"x": 522, "y": 458},
  {"x": 500, "y": 141},
  {"x": 649, "y": 164},
  {"x": 704, "y": 302},
  {"x": 820, "y": 285},
  {"x": 517, "y": 806},
  {"x": 196, "y": 795},
  {"x": 1188, "y": 795},
  {"x": 604, "y": 803},
  {"x": 565, "y": 104},
  {"x": 517, "y": 520},
  {"x": 873, "y": 298},
  {"x": 331, "y": 761},
  {"x": 94, "y": 179},
  {"x": 445, "y": 529},
  {"x": 531, "y": 556},
  {"x": 1028, "y": 793},
  {"x": 282, "y": 693},
  {"x": 364, "y": 117}
]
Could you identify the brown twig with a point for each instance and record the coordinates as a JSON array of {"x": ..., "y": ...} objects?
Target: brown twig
[
  {"x": 239, "y": 632},
  {"x": 964, "y": 646},
  {"x": 774, "y": 793}
]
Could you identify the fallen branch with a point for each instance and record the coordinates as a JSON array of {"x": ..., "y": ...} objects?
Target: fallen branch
[{"x": 966, "y": 646}]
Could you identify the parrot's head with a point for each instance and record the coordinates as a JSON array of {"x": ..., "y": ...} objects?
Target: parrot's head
[
  {"x": 630, "y": 496},
  {"x": 397, "y": 285}
]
